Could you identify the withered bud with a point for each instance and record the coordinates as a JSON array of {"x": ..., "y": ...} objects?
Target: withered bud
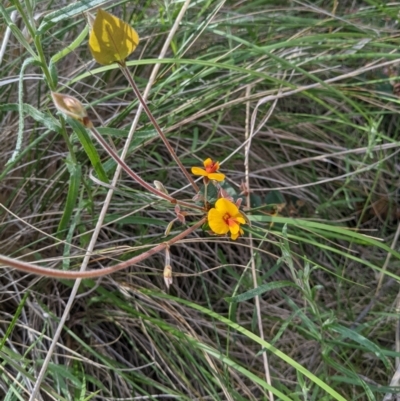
[
  {"x": 168, "y": 276},
  {"x": 179, "y": 215},
  {"x": 167, "y": 256},
  {"x": 198, "y": 197},
  {"x": 169, "y": 228},
  {"x": 244, "y": 189},
  {"x": 72, "y": 107},
  {"x": 159, "y": 185},
  {"x": 224, "y": 194}
]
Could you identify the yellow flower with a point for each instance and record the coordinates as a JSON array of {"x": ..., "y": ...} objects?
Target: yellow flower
[
  {"x": 210, "y": 171},
  {"x": 226, "y": 217}
]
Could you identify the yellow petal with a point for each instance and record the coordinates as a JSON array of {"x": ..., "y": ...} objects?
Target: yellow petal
[
  {"x": 226, "y": 206},
  {"x": 216, "y": 176},
  {"x": 240, "y": 219},
  {"x": 234, "y": 236},
  {"x": 234, "y": 228},
  {"x": 207, "y": 162},
  {"x": 111, "y": 39},
  {"x": 199, "y": 171},
  {"x": 216, "y": 222}
]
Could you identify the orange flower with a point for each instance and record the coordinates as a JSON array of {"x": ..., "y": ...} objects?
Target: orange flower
[
  {"x": 226, "y": 217},
  {"x": 210, "y": 171}
]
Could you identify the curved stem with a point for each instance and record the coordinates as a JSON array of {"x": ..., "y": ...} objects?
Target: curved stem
[
  {"x": 133, "y": 175},
  {"x": 43, "y": 271}
]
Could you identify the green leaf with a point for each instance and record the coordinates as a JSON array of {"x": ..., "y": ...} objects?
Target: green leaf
[
  {"x": 71, "y": 47},
  {"x": 89, "y": 148},
  {"x": 274, "y": 198},
  {"x": 360, "y": 339},
  {"x": 70, "y": 11},
  {"x": 14, "y": 320},
  {"x": 210, "y": 191},
  {"x": 46, "y": 119},
  {"x": 251, "y": 336},
  {"x": 260, "y": 290},
  {"x": 329, "y": 228},
  {"x": 255, "y": 201},
  {"x": 17, "y": 32},
  {"x": 53, "y": 72},
  {"x": 73, "y": 192},
  {"x": 63, "y": 372}
]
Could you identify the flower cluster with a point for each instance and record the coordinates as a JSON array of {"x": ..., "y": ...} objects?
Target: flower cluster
[{"x": 225, "y": 216}]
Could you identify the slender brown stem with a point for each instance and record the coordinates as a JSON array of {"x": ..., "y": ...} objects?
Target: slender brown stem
[
  {"x": 71, "y": 275},
  {"x": 127, "y": 169},
  {"x": 133, "y": 175},
  {"x": 128, "y": 76}
]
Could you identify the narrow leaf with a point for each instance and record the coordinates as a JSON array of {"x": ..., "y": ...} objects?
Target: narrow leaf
[
  {"x": 245, "y": 296},
  {"x": 73, "y": 191},
  {"x": 89, "y": 148},
  {"x": 70, "y": 11},
  {"x": 46, "y": 119}
]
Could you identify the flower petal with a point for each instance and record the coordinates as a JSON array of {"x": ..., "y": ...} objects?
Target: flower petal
[
  {"x": 208, "y": 163},
  {"x": 216, "y": 176},
  {"x": 234, "y": 236},
  {"x": 216, "y": 222},
  {"x": 240, "y": 219},
  {"x": 216, "y": 166},
  {"x": 199, "y": 171},
  {"x": 233, "y": 226},
  {"x": 225, "y": 206}
]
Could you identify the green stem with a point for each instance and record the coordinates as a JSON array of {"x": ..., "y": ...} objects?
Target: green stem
[
  {"x": 42, "y": 58},
  {"x": 43, "y": 65}
]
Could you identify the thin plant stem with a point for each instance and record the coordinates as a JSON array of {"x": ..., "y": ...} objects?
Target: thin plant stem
[
  {"x": 136, "y": 177},
  {"x": 128, "y": 76},
  {"x": 249, "y": 135},
  {"x": 45, "y": 272}
]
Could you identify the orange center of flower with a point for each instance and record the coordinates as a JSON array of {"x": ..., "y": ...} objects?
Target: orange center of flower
[
  {"x": 212, "y": 168},
  {"x": 229, "y": 220}
]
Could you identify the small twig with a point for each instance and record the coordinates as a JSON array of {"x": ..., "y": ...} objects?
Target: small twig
[
  {"x": 71, "y": 275},
  {"x": 136, "y": 177},
  {"x": 157, "y": 127},
  {"x": 248, "y": 136}
]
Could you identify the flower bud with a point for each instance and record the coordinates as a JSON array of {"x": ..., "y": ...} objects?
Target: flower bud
[
  {"x": 168, "y": 276},
  {"x": 72, "y": 107}
]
